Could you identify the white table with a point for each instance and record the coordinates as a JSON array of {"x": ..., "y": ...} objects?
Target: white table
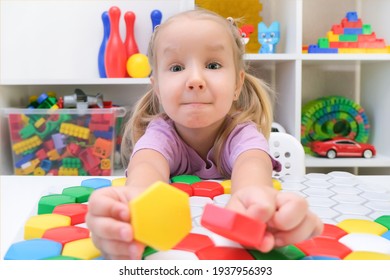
[{"x": 20, "y": 196}]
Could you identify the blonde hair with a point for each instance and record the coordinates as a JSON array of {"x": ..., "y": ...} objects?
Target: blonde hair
[{"x": 253, "y": 103}]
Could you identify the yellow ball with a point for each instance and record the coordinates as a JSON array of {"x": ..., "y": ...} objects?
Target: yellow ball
[{"x": 138, "y": 66}]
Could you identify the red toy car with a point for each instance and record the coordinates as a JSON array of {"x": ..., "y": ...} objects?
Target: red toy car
[{"x": 342, "y": 147}]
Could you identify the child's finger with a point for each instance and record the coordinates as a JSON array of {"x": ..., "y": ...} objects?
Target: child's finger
[
  {"x": 105, "y": 203},
  {"x": 108, "y": 228},
  {"x": 291, "y": 210},
  {"x": 310, "y": 226}
]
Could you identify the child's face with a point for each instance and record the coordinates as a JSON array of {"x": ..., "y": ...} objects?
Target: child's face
[{"x": 195, "y": 77}]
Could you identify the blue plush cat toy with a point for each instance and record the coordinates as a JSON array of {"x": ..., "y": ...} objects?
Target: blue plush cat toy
[{"x": 268, "y": 37}]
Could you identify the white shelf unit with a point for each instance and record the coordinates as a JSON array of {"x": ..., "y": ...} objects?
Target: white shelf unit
[{"x": 53, "y": 46}]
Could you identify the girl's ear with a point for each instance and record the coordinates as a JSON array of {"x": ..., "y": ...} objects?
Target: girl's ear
[{"x": 240, "y": 83}]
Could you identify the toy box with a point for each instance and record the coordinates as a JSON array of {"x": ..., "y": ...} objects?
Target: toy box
[{"x": 63, "y": 141}]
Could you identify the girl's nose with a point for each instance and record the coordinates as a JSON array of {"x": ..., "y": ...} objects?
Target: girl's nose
[{"x": 195, "y": 81}]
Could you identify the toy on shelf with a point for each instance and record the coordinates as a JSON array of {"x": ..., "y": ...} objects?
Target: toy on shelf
[
  {"x": 80, "y": 100},
  {"x": 333, "y": 116},
  {"x": 246, "y": 30},
  {"x": 196, "y": 226},
  {"x": 102, "y": 49},
  {"x": 342, "y": 147},
  {"x": 268, "y": 37},
  {"x": 155, "y": 17},
  {"x": 115, "y": 56},
  {"x": 350, "y": 36},
  {"x": 138, "y": 66}
]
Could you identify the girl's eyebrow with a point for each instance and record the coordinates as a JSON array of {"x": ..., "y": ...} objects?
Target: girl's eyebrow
[
  {"x": 210, "y": 47},
  {"x": 215, "y": 47}
]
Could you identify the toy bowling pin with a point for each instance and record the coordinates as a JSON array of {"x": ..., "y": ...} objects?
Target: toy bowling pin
[
  {"x": 102, "y": 49},
  {"x": 115, "y": 57},
  {"x": 130, "y": 42},
  {"x": 156, "y": 17}
]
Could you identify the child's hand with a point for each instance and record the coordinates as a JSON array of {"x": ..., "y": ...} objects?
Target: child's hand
[
  {"x": 287, "y": 215},
  {"x": 108, "y": 219}
]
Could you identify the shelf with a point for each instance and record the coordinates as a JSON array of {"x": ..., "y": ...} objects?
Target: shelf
[
  {"x": 377, "y": 161},
  {"x": 345, "y": 57},
  {"x": 97, "y": 81}
]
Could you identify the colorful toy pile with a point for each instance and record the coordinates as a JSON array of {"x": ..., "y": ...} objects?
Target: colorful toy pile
[
  {"x": 350, "y": 36},
  {"x": 194, "y": 225},
  {"x": 333, "y": 116},
  {"x": 55, "y": 141}
]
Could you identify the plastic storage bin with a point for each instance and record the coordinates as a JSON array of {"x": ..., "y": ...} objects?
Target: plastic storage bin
[{"x": 64, "y": 141}]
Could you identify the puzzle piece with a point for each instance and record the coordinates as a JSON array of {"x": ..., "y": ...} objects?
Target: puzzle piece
[
  {"x": 47, "y": 203},
  {"x": 75, "y": 211},
  {"x": 36, "y": 226},
  {"x": 237, "y": 227},
  {"x": 82, "y": 249},
  {"x": 161, "y": 216},
  {"x": 33, "y": 249},
  {"x": 66, "y": 234},
  {"x": 80, "y": 193},
  {"x": 207, "y": 188},
  {"x": 96, "y": 183}
]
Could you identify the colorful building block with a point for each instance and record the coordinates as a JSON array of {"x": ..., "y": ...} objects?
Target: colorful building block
[
  {"x": 34, "y": 249},
  {"x": 75, "y": 211},
  {"x": 350, "y": 36},
  {"x": 207, "y": 188},
  {"x": 47, "y": 203},
  {"x": 36, "y": 226},
  {"x": 237, "y": 227},
  {"x": 66, "y": 234},
  {"x": 80, "y": 193},
  {"x": 82, "y": 249},
  {"x": 161, "y": 216}
]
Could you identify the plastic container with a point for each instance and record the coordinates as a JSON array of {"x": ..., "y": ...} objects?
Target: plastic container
[{"x": 70, "y": 142}]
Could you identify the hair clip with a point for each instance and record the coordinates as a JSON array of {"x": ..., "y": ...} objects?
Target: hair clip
[
  {"x": 154, "y": 29},
  {"x": 231, "y": 20}
]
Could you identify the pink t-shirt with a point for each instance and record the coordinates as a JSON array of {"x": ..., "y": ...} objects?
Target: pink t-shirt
[{"x": 162, "y": 137}]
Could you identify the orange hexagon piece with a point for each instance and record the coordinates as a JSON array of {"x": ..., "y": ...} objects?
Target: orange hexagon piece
[{"x": 161, "y": 216}]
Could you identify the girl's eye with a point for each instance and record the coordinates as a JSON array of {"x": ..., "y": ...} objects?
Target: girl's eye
[
  {"x": 213, "y": 66},
  {"x": 176, "y": 68}
]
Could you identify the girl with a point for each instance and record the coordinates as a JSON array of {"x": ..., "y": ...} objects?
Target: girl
[{"x": 206, "y": 116}]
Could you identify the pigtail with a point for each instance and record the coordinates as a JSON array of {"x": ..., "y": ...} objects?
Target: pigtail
[{"x": 144, "y": 111}]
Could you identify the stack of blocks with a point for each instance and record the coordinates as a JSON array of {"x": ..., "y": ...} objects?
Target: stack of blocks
[
  {"x": 186, "y": 219},
  {"x": 350, "y": 36}
]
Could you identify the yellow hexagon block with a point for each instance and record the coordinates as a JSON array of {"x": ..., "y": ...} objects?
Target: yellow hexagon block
[
  {"x": 227, "y": 186},
  {"x": 277, "y": 184},
  {"x": 161, "y": 216},
  {"x": 362, "y": 226},
  {"x": 118, "y": 182},
  {"x": 82, "y": 249},
  {"x": 367, "y": 256},
  {"x": 36, "y": 226}
]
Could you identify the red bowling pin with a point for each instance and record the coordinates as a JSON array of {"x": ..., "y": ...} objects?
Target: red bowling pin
[
  {"x": 130, "y": 42},
  {"x": 115, "y": 57}
]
